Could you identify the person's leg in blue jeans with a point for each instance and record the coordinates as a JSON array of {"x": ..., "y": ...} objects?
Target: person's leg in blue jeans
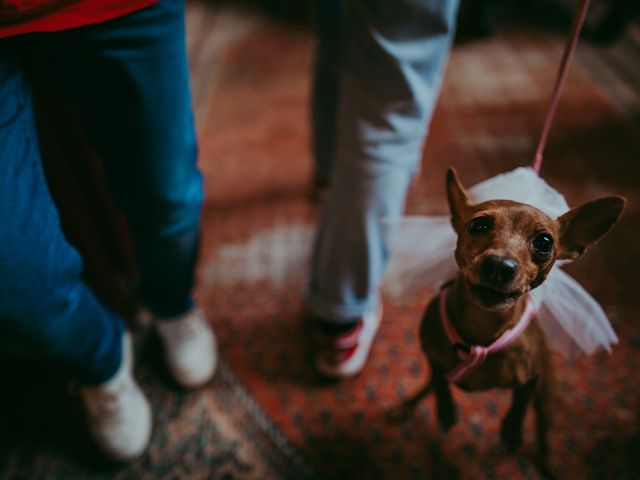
[
  {"x": 44, "y": 306},
  {"x": 394, "y": 55},
  {"x": 130, "y": 79},
  {"x": 46, "y": 311}
]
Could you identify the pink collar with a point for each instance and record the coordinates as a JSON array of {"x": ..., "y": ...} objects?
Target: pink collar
[{"x": 472, "y": 356}]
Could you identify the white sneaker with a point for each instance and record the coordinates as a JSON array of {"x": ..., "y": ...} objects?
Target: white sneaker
[
  {"x": 189, "y": 347},
  {"x": 117, "y": 412},
  {"x": 344, "y": 355}
]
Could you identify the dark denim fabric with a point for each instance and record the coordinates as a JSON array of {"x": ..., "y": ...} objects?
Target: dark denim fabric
[{"x": 129, "y": 79}]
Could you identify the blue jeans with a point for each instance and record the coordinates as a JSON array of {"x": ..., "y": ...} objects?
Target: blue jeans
[
  {"x": 392, "y": 57},
  {"x": 129, "y": 79}
]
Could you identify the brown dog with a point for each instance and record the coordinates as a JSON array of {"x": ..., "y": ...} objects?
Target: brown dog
[{"x": 504, "y": 250}]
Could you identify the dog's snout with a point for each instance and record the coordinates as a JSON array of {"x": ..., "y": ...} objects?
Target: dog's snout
[{"x": 499, "y": 270}]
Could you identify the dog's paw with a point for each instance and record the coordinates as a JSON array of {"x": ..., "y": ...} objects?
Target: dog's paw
[
  {"x": 447, "y": 417},
  {"x": 510, "y": 436},
  {"x": 510, "y": 444},
  {"x": 548, "y": 469}
]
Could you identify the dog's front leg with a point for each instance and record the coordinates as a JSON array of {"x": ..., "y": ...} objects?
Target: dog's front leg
[
  {"x": 447, "y": 415},
  {"x": 543, "y": 404},
  {"x": 511, "y": 432}
]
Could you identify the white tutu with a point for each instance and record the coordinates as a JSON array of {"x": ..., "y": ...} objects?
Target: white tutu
[{"x": 422, "y": 254}]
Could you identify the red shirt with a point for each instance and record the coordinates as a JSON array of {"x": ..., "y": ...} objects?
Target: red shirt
[{"x": 25, "y": 16}]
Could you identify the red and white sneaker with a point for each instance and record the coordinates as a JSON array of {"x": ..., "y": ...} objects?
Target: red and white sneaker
[{"x": 343, "y": 355}]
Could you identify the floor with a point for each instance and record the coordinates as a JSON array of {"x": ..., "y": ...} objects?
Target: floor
[
  {"x": 259, "y": 224},
  {"x": 267, "y": 414}
]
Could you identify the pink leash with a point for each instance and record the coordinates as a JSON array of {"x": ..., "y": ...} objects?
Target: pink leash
[
  {"x": 569, "y": 50},
  {"x": 472, "y": 356}
]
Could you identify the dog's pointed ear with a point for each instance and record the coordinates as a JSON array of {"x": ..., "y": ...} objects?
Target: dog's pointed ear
[
  {"x": 459, "y": 203},
  {"x": 586, "y": 224}
]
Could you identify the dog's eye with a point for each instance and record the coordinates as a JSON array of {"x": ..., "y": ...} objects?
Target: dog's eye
[
  {"x": 480, "y": 225},
  {"x": 543, "y": 244}
]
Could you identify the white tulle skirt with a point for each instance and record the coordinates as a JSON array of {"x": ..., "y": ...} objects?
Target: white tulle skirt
[{"x": 422, "y": 254}]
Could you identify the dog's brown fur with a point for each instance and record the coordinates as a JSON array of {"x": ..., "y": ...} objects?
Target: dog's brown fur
[{"x": 481, "y": 311}]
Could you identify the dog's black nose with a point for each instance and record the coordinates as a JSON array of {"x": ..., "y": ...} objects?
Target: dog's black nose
[{"x": 499, "y": 270}]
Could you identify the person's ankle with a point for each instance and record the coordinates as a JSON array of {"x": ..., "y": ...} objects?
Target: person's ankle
[{"x": 334, "y": 327}]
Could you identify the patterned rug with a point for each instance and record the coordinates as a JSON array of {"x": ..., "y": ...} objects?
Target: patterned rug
[
  {"x": 258, "y": 228},
  {"x": 217, "y": 433},
  {"x": 267, "y": 415}
]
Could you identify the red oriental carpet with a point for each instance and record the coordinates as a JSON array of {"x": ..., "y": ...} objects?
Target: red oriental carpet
[
  {"x": 267, "y": 415},
  {"x": 258, "y": 227}
]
